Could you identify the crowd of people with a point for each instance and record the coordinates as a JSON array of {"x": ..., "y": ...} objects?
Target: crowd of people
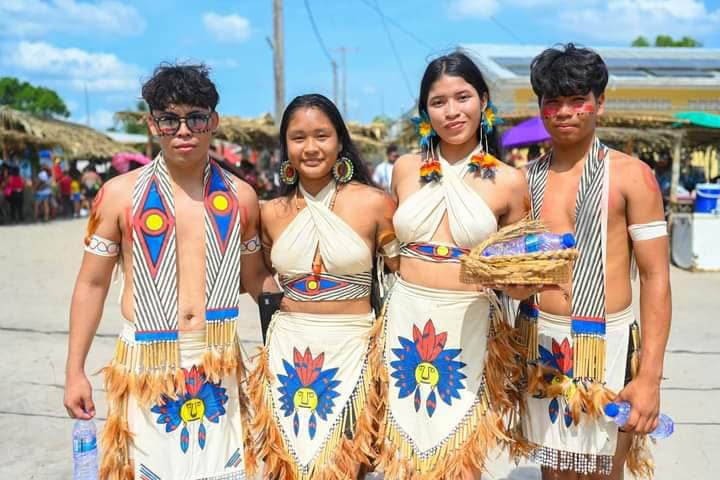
[
  {"x": 423, "y": 380},
  {"x": 50, "y": 193}
]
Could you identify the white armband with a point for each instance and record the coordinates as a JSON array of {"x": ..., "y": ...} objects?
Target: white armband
[
  {"x": 102, "y": 247},
  {"x": 648, "y": 231},
  {"x": 391, "y": 249},
  {"x": 251, "y": 246}
]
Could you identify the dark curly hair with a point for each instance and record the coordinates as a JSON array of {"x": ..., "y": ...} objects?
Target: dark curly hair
[
  {"x": 567, "y": 70},
  {"x": 315, "y": 100},
  {"x": 457, "y": 64},
  {"x": 180, "y": 85}
]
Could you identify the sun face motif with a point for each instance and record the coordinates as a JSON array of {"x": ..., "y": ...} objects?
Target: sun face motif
[
  {"x": 308, "y": 387},
  {"x": 202, "y": 400},
  {"x": 425, "y": 361}
]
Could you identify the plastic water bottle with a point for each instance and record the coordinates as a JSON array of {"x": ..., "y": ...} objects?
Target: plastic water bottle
[
  {"x": 620, "y": 412},
  {"x": 531, "y": 243},
  {"x": 85, "y": 452}
]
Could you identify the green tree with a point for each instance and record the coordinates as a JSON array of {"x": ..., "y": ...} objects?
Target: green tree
[
  {"x": 132, "y": 121},
  {"x": 667, "y": 41},
  {"x": 640, "y": 42},
  {"x": 25, "y": 97}
]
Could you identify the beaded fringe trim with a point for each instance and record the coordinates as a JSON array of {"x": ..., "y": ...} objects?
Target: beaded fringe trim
[{"x": 583, "y": 463}]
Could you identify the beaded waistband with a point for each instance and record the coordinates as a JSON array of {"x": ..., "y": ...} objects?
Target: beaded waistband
[
  {"x": 433, "y": 252},
  {"x": 326, "y": 286}
]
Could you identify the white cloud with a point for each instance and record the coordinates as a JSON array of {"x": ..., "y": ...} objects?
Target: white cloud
[
  {"x": 99, "y": 72},
  {"x": 473, "y": 8},
  {"x": 227, "y": 28},
  {"x": 32, "y": 18},
  {"x": 623, "y": 20}
]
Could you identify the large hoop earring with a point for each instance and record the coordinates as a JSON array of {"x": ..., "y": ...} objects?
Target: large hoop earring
[
  {"x": 343, "y": 170},
  {"x": 288, "y": 173}
]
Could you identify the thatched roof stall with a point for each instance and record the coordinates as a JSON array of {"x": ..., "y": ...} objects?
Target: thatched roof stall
[
  {"x": 77, "y": 141},
  {"x": 257, "y": 133}
]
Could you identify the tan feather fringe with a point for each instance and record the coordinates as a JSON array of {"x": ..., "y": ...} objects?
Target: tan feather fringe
[
  {"x": 341, "y": 457},
  {"x": 465, "y": 452},
  {"x": 115, "y": 437},
  {"x": 639, "y": 459}
]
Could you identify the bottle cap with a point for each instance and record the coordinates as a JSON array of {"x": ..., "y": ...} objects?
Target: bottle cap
[
  {"x": 568, "y": 240},
  {"x": 532, "y": 243},
  {"x": 611, "y": 410}
]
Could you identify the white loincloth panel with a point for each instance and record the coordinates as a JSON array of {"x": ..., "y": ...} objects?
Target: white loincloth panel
[
  {"x": 321, "y": 357},
  {"x": 590, "y": 436},
  {"x": 181, "y": 453},
  {"x": 435, "y": 384}
]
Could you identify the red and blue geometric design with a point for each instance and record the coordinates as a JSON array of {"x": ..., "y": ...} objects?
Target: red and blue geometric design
[
  {"x": 153, "y": 225},
  {"x": 315, "y": 285},
  {"x": 437, "y": 252},
  {"x": 425, "y": 360},
  {"x": 221, "y": 206}
]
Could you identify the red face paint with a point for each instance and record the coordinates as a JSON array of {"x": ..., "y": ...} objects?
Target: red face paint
[
  {"x": 584, "y": 108},
  {"x": 550, "y": 111}
]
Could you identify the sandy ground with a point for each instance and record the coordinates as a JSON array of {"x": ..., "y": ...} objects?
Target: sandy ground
[{"x": 38, "y": 264}]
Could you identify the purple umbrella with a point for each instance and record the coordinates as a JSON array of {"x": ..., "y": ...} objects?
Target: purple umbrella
[{"x": 525, "y": 133}]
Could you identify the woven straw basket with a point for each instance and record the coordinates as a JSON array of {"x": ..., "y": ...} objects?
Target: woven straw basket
[{"x": 551, "y": 268}]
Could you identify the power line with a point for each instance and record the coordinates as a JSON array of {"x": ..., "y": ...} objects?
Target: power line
[
  {"x": 397, "y": 25},
  {"x": 317, "y": 33},
  {"x": 394, "y": 50},
  {"x": 505, "y": 29}
]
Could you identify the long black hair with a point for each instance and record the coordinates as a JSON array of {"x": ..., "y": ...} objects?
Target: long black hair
[
  {"x": 458, "y": 64},
  {"x": 315, "y": 100}
]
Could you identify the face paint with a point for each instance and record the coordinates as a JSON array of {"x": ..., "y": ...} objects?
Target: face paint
[{"x": 585, "y": 108}]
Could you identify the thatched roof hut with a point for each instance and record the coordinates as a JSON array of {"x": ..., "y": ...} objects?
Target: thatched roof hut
[
  {"x": 257, "y": 133},
  {"x": 20, "y": 130}
]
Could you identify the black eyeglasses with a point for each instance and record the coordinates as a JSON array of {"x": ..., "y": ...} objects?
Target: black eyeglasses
[{"x": 170, "y": 124}]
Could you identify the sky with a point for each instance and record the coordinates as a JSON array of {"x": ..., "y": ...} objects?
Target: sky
[{"x": 108, "y": 48}]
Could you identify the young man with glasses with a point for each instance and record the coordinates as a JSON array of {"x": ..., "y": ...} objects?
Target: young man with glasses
[{"x": 184, "y": 232}]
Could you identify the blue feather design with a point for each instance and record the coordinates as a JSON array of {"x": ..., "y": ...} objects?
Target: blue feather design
[{"x": 553, "y": 410}]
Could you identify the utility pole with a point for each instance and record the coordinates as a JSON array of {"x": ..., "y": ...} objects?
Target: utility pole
[
  {"x": 87, "y": 106},
  {"x": 278, "y": 59},
  {"x": 335, "y": 82},
  {"x": 343, "y": 66}
]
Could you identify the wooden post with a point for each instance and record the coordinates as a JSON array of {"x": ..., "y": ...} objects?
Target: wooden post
[
  {"x": 5, "y": 155},
  {"x": 675, "y": 178}
]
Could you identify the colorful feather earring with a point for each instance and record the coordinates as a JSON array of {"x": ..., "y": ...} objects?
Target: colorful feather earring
[{"x": 430, "y": 170}]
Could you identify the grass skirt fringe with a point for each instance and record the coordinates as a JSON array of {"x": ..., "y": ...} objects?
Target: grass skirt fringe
[{"x": 341, "y": 457}]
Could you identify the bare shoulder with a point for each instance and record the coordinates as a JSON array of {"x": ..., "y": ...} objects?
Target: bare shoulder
[
  {"x": 632, "y": 175},
  {"x": 407, "y": 162},
  {"x": 245, "y": 193},
  {"x": 371, "y": 197},
  {"x": 117, "y": 192},
  {"x": 274, "y": 208},
  {"x": 511, "y": 178}
]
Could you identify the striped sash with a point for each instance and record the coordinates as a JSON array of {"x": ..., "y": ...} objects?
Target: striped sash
[
  {"x": 155, "y": 264},
  {"x": 326, "y": 286},
  {"x": 588, "y": 285}
]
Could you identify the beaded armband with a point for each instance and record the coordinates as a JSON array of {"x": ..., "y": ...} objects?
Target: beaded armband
[
  {"x": 103, "y": 247},
  {"x": 251, "y": 246}
]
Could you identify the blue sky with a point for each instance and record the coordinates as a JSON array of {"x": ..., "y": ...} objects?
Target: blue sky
[{"x": 110, "y": 46}]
